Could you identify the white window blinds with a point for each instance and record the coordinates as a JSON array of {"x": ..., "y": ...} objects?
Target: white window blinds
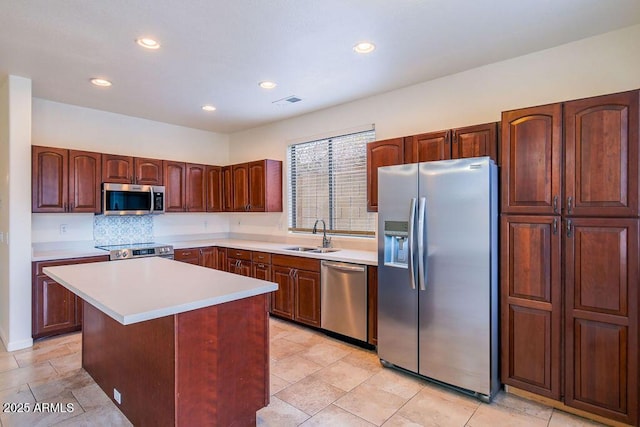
[{"x": 328, "y": 180}]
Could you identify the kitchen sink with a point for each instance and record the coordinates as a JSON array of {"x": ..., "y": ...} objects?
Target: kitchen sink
[{"x": 311, "y": 250}]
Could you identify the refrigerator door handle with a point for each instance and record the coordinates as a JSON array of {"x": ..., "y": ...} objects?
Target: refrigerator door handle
[
  {"x": 422, "y": 265},
  {"x": 412, "y": 220}
]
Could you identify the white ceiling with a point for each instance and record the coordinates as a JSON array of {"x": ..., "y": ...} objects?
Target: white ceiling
[{"x": 216, "y": 51}]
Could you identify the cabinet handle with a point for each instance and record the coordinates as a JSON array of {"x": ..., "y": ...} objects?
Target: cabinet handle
[
  {"x": 261, "y": 265},
  {"x": 569, "y": 228},
  {"x": 186, "y": 253},
  {"x": 555, "y": 225},
  {"x": 555, "y": 204},
  {"x": 569, "y": 204}
]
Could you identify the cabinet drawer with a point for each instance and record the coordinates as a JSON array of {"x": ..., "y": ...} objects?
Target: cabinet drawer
[
  {"x": 300, "y": 263},
  {"x": 239, "y": 254},
  {"x": 263, "y": 257},
  {"x": 39, "y": 265}
]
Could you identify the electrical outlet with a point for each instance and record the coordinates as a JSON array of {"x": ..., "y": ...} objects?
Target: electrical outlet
[
  {"x": 117, "y": 396},
  {"x": 1, "y": 237},
  {"x": 63, "y": 228}
]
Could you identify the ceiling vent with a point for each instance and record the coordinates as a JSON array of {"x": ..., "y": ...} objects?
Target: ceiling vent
[{"x": 286, "y": 101}]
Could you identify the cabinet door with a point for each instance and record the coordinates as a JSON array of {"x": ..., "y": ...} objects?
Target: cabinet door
[
  {"x": 49, "y": 179},
  {"x": 85, "y": 178},
  {"x": 213, "y": 175},
  {"x": 227, "y": 189},
  {"x": 475, "y": 141},
  {"x": 428, "y": 147},
  {"x": 239, "y": 266},
  {"x": 531, "y": 160},
  {"x": 221, "y": 259},
  {"x": 148, "y": 171},
  {"x": 196, "y": 188},
  {"x": 54, "y": 308},
  {"x": 372, "y": 298},
  {"x": 307, "y": 297},
  {"x": 240, "y": 184},
  {"x": 282, "y": 299},
  {"x": 117, "y": 169},
  {"x": 257, "y": 172},
  {"x": 175, "y": 185},
  {"x": 531, "y": 307},
  {"x": 261, "y": 271},
  {"x": 208, "y": 257},
  {"x": 601, "y": 317},
  {"x": 381, "y": 153},
  {"x": 601, "y": 155}
]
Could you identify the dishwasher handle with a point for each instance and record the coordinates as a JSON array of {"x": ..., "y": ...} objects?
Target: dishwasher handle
[{"x": 343, "y": 267}]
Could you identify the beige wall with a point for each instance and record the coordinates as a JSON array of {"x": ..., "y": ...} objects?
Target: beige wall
[
  {"x": 604, "y": 64},
  {"x": 15, "y": 208}
]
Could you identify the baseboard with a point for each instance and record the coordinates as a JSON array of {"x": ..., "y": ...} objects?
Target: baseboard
[
  {"x": 14, "y": 345},
  {"x": 561, "y": 406}
]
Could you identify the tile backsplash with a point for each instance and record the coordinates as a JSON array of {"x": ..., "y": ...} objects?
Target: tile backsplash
[{"x": 114, "y": 230}]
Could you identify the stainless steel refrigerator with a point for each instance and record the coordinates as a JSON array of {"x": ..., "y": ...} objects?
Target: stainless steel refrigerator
[{"x": 437, "y": 272}]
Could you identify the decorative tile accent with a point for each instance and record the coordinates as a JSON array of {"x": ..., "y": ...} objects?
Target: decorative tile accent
[{"x": 117, "y": 230}]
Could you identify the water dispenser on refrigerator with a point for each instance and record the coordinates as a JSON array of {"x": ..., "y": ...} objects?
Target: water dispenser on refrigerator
[{"x": 396, "y": 243}]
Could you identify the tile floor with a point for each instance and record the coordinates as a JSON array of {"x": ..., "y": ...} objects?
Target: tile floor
[{"x": 316, "y": 380}]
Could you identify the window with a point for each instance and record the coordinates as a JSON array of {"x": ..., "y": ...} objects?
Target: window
[{"x": 328, "y": 180}]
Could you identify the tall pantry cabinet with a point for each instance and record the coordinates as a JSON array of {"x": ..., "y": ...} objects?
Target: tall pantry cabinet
[{"x": 569, "y": 248}]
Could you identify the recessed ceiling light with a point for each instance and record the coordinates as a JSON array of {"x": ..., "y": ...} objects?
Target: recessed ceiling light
[
  {"x": 101, "y": 82},
  {"x": 208, "y": 108},
  {"x": 148, "y": 43},
  {"x": 364, "y": 47},
  {"x": 267, "y": 85}
]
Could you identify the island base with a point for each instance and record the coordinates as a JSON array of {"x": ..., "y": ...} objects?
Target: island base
[{"x": 203, "y": 367}]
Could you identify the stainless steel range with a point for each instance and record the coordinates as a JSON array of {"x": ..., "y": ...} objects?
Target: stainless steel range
[{"x": 138, "y": 250}]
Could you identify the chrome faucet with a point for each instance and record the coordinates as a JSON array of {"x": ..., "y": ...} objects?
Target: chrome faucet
[{"x": 326, "y": 242}]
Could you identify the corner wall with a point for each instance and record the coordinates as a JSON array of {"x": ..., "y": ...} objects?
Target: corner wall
[{"x": 15, "y": 209}]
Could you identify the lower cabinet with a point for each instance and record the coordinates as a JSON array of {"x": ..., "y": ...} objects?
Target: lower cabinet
[
  {"x": 298, "y": 294},
  {"x": 188, "y": 255},
  {"x": 372, "y": 304},
  {"x": 55, "y": 310}
]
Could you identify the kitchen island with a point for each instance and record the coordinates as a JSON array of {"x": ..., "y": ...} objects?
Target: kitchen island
[{"x": 171, "y": 343}]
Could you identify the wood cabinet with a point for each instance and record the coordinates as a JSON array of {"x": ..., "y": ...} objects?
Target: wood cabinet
[
  {"x": 131, "y": 170},
  {"x": 601, "y": 316},
  {"x": 298, "y": 295},
  {"x": 239, "y": 261},
  {"x": 475, "y": 141},
  {"x": 261, "y": 265},
  {"x": 54, "y": 309},
  {"x": 427, "y": 147},
  {"x": 531, "y": 296},
  {"x": 601, "y": 155},
  {"x": 185, "y": 187},
  {"x": 208, "y": 257},
  {"x": 256, "y": 186},
  {"x": 227, "y": 189},
  {"x": 572, "y": 335},
  {"x": 65, "y": 180},
  {"x": 381, "y": 153},
  {"x": 215, "y": 188},
  {"x": 188, "y": 255}
]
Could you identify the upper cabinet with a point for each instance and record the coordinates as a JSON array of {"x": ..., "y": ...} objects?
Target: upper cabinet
[
  {"x": 381, "y": 153},
  {"x": 196, "y": 189},
  {"x": 215, "y": 188},
  {"x": 185, "y": 187},
  {"x": 131, "y": 170},
  {"x": 256, "y": 186},
  {"x": 471, "y": 141},
  {"x": 532, "y": 160},
  {"x": 65, "y": 180},
  {"x": 601, "y": 155},
  {"x": 427, "y": 147}
]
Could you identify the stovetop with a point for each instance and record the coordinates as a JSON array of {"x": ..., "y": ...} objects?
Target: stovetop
[{"x": 137, "y": 250}]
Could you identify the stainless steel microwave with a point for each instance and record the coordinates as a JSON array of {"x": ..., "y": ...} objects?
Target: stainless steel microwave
[{"x": 130, "y": 199}]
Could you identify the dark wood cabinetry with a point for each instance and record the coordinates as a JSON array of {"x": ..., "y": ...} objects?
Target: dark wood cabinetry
[
  {"x": 381, "y": 153},
  {"x": 54, "y": 309},
  {"x": 427, "y": 147},
  {"x": 239, "y": 261},
  {"x": 256, "y": 186},
  {"x": 475, "y": 141},
  {"x": 227, "y": 189},
  {"x": 261, "y": 265},
  {"x": 572, "y": 335},
  {"x": 185, "y": 187},
  {"x": 372, "y": 304},
  {"x": 65, "y": 180},
  {"x": 196, "y": 188},
  {"x": 188, "y": 255},
  {"x": 215, "y": 188},
  {"x": 131, "y": 170},
  {"x": 298, "y": 294}
]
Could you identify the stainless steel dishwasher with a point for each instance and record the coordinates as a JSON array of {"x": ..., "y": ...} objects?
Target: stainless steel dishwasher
[{"x": 344, "y": 299}]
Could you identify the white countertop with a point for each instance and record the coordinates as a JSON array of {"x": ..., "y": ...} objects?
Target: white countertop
[
  {"x": 85, "y": 250},
  {"x": 148, "y": 288}
]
